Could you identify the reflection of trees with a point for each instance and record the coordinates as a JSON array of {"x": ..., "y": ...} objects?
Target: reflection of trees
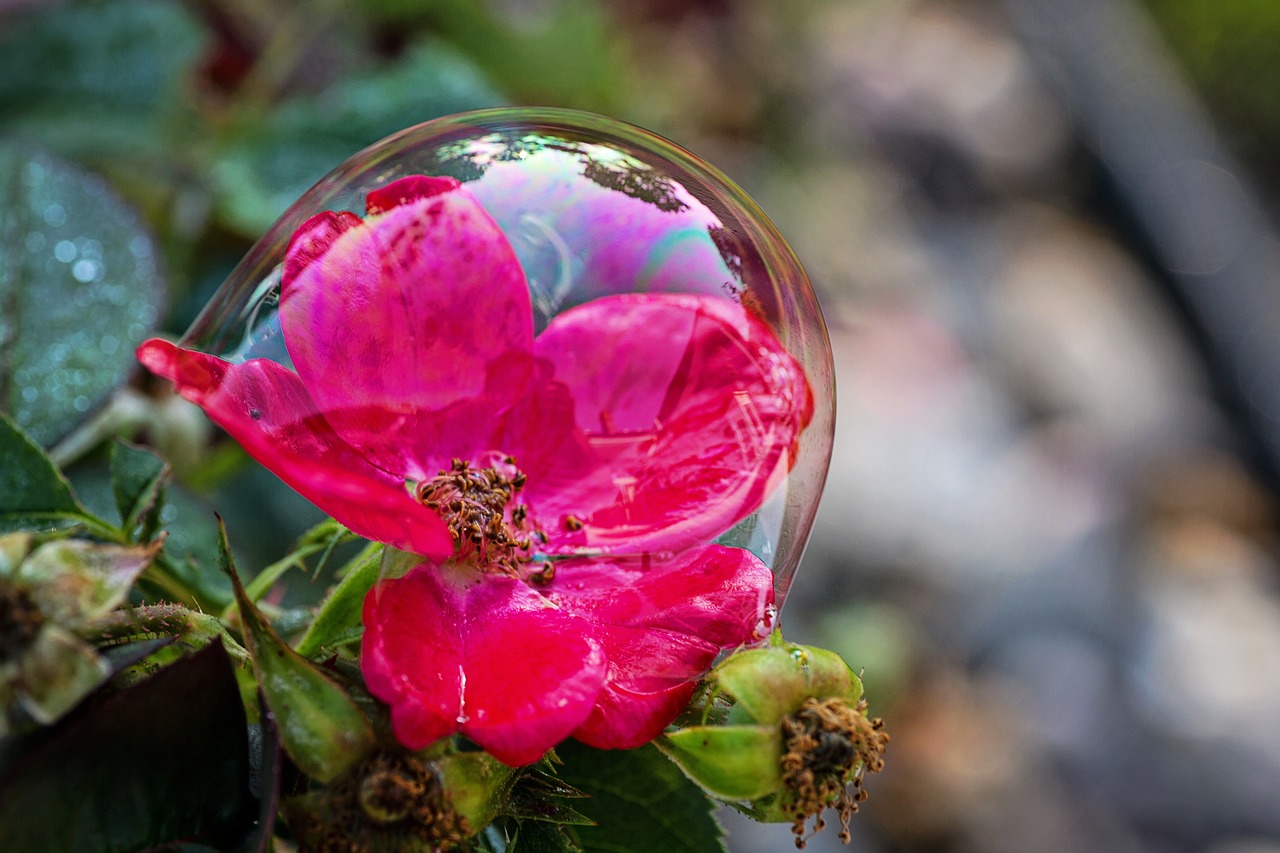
[
  {"x": 729, "y": 247},
  {"x": 635, "y": 181},
  {"x": 469, "y": 159}
]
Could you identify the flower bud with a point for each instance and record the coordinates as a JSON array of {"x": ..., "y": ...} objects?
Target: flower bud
[
  {"x": 46, "y": 596},
  {"x": 797, "y": 740}
]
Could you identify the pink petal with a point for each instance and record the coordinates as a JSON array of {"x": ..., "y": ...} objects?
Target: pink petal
[
  {"x": 407, "y": 190},
  {"x": 689, "y": 409},
  {"x": 404, "y": 313},
  {"x": 623, "y": 719},
  {"x": 662, "y": 625},
  {"x": 454, "y": 650},
  {"x": 265, "y": 408},
  {"x": 314, "y": 237}
]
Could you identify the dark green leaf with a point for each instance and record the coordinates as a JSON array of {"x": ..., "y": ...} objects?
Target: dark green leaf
[
  {"x": 524, "y": 807},
  {"x": 639, "y": 800},
  {"x": 137, "y": 476},
  {"x": 272, "y": 159},
  {"x": 191, "y": 547},
  {"x": 87, "y": 79},
  {"x": 162, "y": 761},
  {"x": 531, "y": 837},
  {"x": 78, "y": 291},
  {"x": 33, "y": 493}
]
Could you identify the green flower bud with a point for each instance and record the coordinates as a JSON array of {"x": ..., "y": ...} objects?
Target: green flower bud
[
  {"x": 797, "y": 740},
  {"x": 47, "y": 596},
  {"x": 769, "y": 683}
]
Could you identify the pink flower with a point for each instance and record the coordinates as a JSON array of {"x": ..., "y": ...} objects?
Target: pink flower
[{"x": 563, "y": 489}]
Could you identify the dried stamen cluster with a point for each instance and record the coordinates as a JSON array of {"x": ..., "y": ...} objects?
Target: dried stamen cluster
[
  {"x": 392, "y": 802},
  {"x": 20, "y": 620},
  {"x": 827, "y": 747},
  {"x": 476, "y": 504}
]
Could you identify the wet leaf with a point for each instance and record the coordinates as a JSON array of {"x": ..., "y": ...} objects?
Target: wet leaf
[
  {"x": 640, "y": 801},
  {"x": 321, "y": 728},
  {"x": 78, "y": 291},
  {"x": 137, "y": 478},
  {"x": 163, "y": 761},
  {"x": 33, "y": 493},
  {"x": 270, "y": 160},
  {"x": 92, "y": 79}
]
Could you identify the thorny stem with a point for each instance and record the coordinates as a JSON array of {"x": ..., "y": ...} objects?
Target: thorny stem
[{"x": 151, "y": 621}]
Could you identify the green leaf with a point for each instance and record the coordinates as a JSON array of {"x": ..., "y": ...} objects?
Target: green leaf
[
  {"x": 88, "y": 79},
  {"x": 163, "y": 761},
  {"x": 321, "y": 728},
  {"x": 270, "y": 159},
  {"x": 535, "y": 837},
  {"x": 33, "y": 493},
  {"x": 78, "y": 291},
  {"x": 640, "y": 801},
  {"x": 338, "y": 619},
  {"x": 137, "y": 477}
]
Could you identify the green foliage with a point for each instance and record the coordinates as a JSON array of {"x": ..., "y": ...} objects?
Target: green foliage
[
  {"x": 639, "y": 800},
  {"x": 137, "y": 480},
  {"x": 321, "y": 728},
  {"x": 338, "y": 620},
  {"x": 270, "y": 159},
  {"x": 78, "y": 291},
  {"x": 563, "y": 53},
  {"x": 531, "y": 837},
  {"x": 166, "y": 760},
  {"x": 87, "y": 78},
  {"x": 33, "y": 493},
  {"x": 1228, "y": 48}
]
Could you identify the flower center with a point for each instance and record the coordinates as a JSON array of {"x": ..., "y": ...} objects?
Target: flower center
[
  {"x": 20, "y": 621},
  {"x": 479, "y": 505},
  {"x": 827, "y": 747}
]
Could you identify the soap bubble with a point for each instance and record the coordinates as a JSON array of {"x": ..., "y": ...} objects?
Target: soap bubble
[{"x": 592, "y": 207}]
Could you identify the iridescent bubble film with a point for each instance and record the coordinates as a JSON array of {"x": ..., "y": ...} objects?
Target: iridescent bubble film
[{"x": 592, "y": 207}]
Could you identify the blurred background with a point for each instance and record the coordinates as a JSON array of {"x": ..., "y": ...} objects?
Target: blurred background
[{"x": 1044, "y": 238}]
